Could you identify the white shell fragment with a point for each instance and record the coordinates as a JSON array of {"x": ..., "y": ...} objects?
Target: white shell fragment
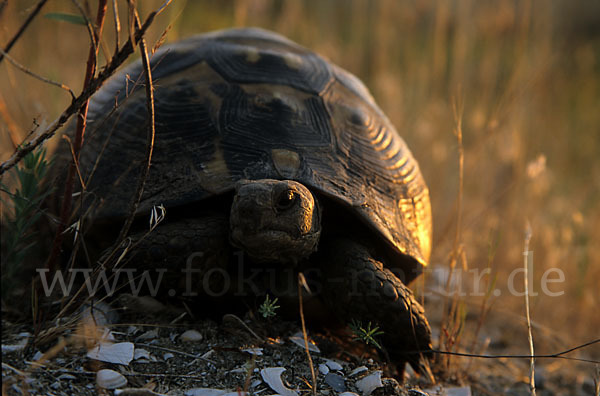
[
  {"x": 212, "y": 392},
  {"x": 298, "y": 339},
  {"x": 14, "y": 348},
  {"x": 191, "y": 336},
  {"x": 205, "y": 392},
  {"x": 136, "y": 392},
  {"x": 462, "y": 391},
  {"x": 336, "y": 381},
  {"x": 253, "y": 351},
  {"x": 168, "y": 356},
  {"x": 143, "y": 355},
  {"x": 272, "y": 376},
  {"x": 358, "y": 370},
  {"x": 99, "y": 314},
  {"x": 348, "y": 394},
  {"x": 255, "y": 383},
  {"x": 452, "y": 391},
  {"x": 19, "y": 346},
  {"x": 110, "y": 379},
  {"x": 333, "y": 365},
  {"x": 369, "y": 383},
  {"x": 148, "y": 335},
  {"x": 323, "y": 369},
  {"x": 121, "y": 353}
]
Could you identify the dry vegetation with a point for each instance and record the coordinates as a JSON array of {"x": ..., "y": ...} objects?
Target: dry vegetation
[{"x": 527, "y": 77}]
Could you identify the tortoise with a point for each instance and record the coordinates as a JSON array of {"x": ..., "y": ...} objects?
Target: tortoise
[{"x": 265, "y": 147}]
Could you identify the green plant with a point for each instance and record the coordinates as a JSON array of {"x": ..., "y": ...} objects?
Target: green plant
[
  {"x": 365, "y": 334},
  {"x": 268, "y": 307},
  {"x": 21, "y": 214}
]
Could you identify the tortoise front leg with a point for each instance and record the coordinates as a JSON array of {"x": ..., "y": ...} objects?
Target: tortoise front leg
[{"x": 359, "y": 287}]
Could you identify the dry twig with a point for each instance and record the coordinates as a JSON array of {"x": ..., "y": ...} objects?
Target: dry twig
[
  {"x": 65, "y": 212},
  {"x": 526, "y": 263},
  {"x": 117, "y": 25},
  {"x": 25, "y": 70},
  {"x": 301, "y": 284},
  {"x": 94, "y": 36},
  {"x": 95, "y": 84},
  {"x": 151, "y": 132}
]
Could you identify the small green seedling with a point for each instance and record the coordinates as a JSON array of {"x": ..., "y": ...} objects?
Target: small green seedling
[
  {"x": 366, "y": 334},
  {"x": 268, "y": 307}
]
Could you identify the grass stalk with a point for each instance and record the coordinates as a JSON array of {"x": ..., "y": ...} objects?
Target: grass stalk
[
  {"x": 526, "y": 263},
  {"x": 151, "y": 129},
  {"x": 301, "y": 283}
]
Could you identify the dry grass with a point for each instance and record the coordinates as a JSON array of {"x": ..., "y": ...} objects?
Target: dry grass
[{"x": 528, "y": 75}]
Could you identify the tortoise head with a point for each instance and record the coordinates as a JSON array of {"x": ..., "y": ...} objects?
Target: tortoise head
[{"x": 275, "y": 220}]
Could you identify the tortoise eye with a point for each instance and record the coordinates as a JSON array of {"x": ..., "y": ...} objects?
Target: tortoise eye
[{"x": 285, "y": 200}]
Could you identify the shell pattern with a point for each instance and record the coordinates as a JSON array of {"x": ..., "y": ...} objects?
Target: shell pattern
[{"x": 251, "y": 104}]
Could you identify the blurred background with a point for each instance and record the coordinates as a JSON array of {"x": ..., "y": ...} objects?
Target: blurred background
[{"x": 526, "y": 75}]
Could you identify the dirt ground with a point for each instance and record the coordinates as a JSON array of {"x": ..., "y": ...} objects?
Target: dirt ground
[{"x": 229, "y": 356}]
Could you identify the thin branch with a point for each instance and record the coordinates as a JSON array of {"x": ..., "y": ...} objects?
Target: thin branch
[
  {"x": 25, "y": 70},
  {"x": 88, "y": 24},
  {"x": 65, "y": 212},
  {"x": 151, "y": 132},
  {"x": 95, "y": 84},
  {"x": 117, "y": 25},
  {"x": 36, "y": 10},
  {"x": 92, "y": 29},
  {"x": 558, "y": 355},
  {"x": 75, "y": 160}
]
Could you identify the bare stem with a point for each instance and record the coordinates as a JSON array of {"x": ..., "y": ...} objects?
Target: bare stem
[
  {"x": 526, "y": 261},
  {"x": 79, "y": 132},
  {"x": 25, "y": 70},
  {"x": 302, "y": 281},
  {"x": 117, "y": 25},
  {"x": 151, "y": 132},
  {"x": 95, "y": 84}
]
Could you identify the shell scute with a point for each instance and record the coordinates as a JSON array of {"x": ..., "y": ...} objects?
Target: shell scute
[{"x": 248, "y": 104}]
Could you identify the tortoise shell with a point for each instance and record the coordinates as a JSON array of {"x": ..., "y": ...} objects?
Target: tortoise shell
[{"x": 251, "y": 104}]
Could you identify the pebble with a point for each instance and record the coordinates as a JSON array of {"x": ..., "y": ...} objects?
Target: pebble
[
  {"x": 191, "y": 336},
  {"x": 336, "y": 381},
  {"x": 323, "y": 369},
  {"x": 334, "y": 365},
  {"x": 358, "y": 370},
  {"x": 369, "y": 383}
]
